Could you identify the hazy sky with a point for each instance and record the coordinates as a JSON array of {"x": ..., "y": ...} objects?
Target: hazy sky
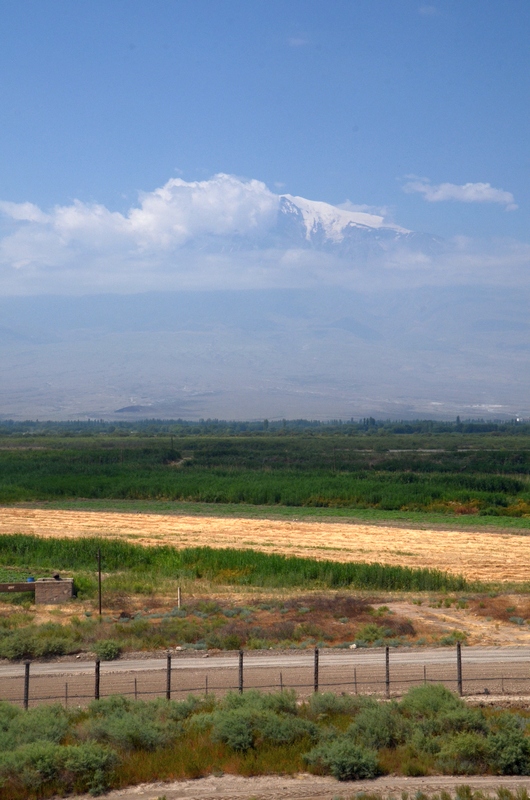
[
  {"x": 388, "y": 103},
  {"x": 146, "y": 146}
]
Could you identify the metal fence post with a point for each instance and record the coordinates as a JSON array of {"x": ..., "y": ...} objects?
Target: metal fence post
[
  {"x": 459, "y": 668},
  {"x": 387, "y": 670},
  {"x": 179, "y": 597},
  {"x": 26, "y": 684},
  {"x": 98, "y": 558},
  {"x": 168, "y": 677},
  {"x": 315, "y": 673},
  {"x": 96, "y": 682},
  {"x": 240, "y": 672}
]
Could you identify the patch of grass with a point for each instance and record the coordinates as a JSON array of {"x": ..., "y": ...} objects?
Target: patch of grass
[{"x": 230, "y": 566}]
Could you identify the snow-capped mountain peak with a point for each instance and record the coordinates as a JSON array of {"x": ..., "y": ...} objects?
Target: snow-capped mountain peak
[{"x": 323, "y": 218}]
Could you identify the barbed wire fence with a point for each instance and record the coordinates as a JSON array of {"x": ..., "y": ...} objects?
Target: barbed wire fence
[{"x": 172, "y": 680}]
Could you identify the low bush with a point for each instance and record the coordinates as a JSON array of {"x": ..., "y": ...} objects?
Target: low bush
[
  {"x": 50, "y": 750},
  {"x": 327, "y": 704},
  {"x": 429, "y": 700},
  {"x": 135, "y": 725},
  {"x": 378, "y": 726},
  {"x": 344, "y": 760},
  {"x": 32, "y": 766},
  {"x": 510, "y": 747},
  {"x": 244, "y": 721},
  {"x": 464, "y": 754},
  {"x": 107, "y": 649}
]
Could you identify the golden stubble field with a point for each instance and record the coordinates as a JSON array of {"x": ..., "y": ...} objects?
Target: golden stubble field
[{"x": 477, "y": 555}]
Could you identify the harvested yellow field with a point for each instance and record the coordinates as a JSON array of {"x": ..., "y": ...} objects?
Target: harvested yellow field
[{"x": 477, "y": 555}]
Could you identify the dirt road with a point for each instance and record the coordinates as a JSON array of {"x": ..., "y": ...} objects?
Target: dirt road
[
  {"x": 307, "y": 787},
  {"x": 482, "y": 556},
  {"x": 489, "y": 672}
]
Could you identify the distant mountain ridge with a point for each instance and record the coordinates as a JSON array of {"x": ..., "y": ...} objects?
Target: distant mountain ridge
[
  {"x": 321, "y": 226},
  {"x": 334, "y": 224},
  {"x": 314, "y": 225}
]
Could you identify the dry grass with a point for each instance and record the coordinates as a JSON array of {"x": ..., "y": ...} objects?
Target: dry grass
[{"x": 476, "y": 555}]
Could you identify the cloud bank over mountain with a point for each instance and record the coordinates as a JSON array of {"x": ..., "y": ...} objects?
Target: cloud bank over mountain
[{"x": 232, "y": 233}]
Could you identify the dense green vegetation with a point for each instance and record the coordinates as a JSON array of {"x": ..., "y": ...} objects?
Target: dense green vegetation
[
  {"x": 238, "y": 567},
  {"x": 448, "y": 472},
  {"x": 118, "y": 741}
]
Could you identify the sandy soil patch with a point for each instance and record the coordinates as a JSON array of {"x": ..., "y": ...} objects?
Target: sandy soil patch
[
  {"x": 477, "y": 555},
  {"x": 307, "y": 787},
  {"x": 430, "y": 622}
]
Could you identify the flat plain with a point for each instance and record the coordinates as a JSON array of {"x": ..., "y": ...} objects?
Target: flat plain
[{"x": 483, "y": 556}]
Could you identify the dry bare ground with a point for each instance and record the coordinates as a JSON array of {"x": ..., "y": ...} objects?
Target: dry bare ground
[
  {"x": 477, "y": 555},
  {"x": 306, "y": 787}
]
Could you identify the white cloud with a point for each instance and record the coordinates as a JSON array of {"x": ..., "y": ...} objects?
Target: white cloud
[
  {"x": 24, "y": 212},
  {"x": 381, "y": 211},
  {"x": 465, "y": 193},
  {"x": 222, "y": 234}
]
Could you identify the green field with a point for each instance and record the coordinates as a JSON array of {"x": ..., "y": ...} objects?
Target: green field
[
  {"x": 229, "y": 566},
  {"x": 332, "y": 471}
]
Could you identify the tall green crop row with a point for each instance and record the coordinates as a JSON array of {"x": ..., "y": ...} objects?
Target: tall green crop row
[
  {"x": 293, "y": 472},
  {"x": 227, "y": 565}
]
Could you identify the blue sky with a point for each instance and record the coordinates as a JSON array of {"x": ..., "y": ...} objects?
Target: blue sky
[
  {"x": 145, "y": 150},
  {"x": 332, "y": 101}
]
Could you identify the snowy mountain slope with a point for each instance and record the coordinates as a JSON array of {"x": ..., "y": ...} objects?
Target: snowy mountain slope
[
  {"x": 334, "y": 223},
  {"x": 313, "y": 225}
]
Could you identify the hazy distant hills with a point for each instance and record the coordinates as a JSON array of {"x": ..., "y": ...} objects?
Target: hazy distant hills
[{"x": 326, "y": 353}]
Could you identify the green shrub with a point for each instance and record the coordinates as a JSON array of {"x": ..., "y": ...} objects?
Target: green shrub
[
  {"x": 85, "y": 586},
  {"x": 179, "y": 710},
  {"x": 464, "y": 754},
  {"x": 92, "y": 764},
  {"x": 107, "y": 649},
  {"x": 510, "y": 748},
  {"x": 131, "y": 724},
  {"x": 429, "y": 700},
  {"x": 234, "y": 728},
  {"x": 33, "y": 765},
  {"x": 18, "y": 644},
  {"x": 243, "y": 721},
  {"x": 42, "y": 723},
  {"x": 326, "y": 703},
  {"x": 344, "y": 760},
  {"x": 282, "y": 702},
  {"x": 371, "y": 633},
  {"x": 285, "y": 729},
  {"x": 378, "y": 726},
  {"x": 54, "y": 646},
  {"x": 456, "y": 720}
]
